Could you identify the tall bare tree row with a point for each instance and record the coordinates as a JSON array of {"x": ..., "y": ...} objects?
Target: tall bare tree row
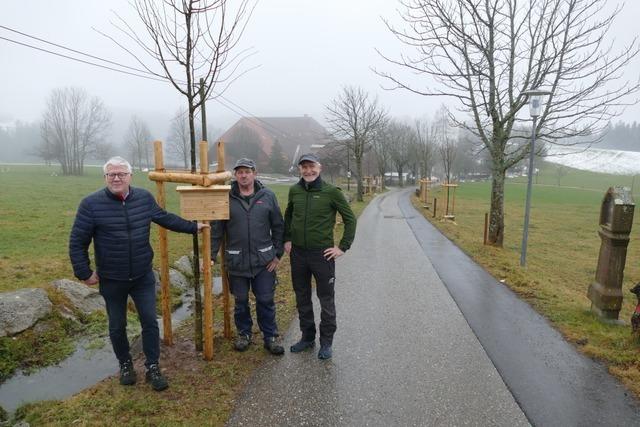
[
  {"x": 73, "y": 126},
  {"x": 354, "y": 118},
  {"x": 138, "y": 143},
  {"x": 401, "y": 137},
  {"x": 486, "y": 54}
]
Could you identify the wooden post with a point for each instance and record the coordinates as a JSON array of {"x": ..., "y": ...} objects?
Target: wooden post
[
  {"x": 167, "y": 332},
  {"x": 453, "y": 202},
  {"x": 220, "y": 154},
  {"x": 223, "y": 270},
  {"x": 435, "y": 206},
  {"x": 208, "y": 294},
  {"x": 486, "y": 227},
  {"x": 446, "y": 208},
  {"x": 206, "y": 267},
  {"x": 204, "y": 157}
]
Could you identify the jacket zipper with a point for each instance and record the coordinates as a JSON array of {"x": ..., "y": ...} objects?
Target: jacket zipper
[
  {"x": 306, "y": 214},
  {"x": 249, "y": 234},
  {"x": 126, "y": 216}
]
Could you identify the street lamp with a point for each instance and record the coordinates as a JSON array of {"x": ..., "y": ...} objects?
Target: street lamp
[{"x": 536, "y": 97}]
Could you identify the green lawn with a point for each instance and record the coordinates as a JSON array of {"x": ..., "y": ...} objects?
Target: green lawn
[{"x": 562, "y": 256}]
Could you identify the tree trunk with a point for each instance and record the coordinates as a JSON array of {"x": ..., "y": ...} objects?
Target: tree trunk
[
  {"x": 496, "y": 216},
  {"x": 359, "y": 178}
]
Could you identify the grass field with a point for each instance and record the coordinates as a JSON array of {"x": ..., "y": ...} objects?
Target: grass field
[
  {"x": 561, "y": 258},
  {"x": 37, "y": 209}
]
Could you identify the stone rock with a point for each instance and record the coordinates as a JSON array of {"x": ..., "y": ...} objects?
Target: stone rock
[
  {"x": 21, "y": 309},
  {"x": 176, "y": 279},
  {"x": 184, "y": 266},
  {"x": 85, "y": 298}
]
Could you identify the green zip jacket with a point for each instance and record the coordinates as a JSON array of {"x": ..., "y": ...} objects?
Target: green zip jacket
[{"x": 311, "y": 216}]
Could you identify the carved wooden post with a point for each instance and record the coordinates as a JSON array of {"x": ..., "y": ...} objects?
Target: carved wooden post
[{"x": 616, "y": 219}]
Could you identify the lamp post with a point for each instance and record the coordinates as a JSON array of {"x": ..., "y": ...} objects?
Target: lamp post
[{"x": 535, "y": 108}]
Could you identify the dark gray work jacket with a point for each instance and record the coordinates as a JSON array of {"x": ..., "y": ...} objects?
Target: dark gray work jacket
[{"x": 254, "y": 232}]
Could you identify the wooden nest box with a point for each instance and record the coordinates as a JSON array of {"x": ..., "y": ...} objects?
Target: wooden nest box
[{"x": 204, "y": 203}]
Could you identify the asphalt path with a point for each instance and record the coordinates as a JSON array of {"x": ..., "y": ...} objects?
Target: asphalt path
[
  {"x": 553, "y": 383},
  {"x": 403, "y": 352}
]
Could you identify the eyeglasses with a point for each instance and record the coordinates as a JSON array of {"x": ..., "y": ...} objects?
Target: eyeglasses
[{"x": 120, "y": 175}]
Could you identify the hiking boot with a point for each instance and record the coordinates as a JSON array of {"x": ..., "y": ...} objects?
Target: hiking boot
[
  {"x": 325, "y": 352},
  {"x": 242, "y": 342},
  {"x": 127, "y": 373},
  {"x": 273, "y": 347},
  {"x": 155, "y": 377},
  {"x": 302, "y": 345}
]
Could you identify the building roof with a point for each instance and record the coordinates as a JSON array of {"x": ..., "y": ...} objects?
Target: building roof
[{"x": 289, "y": 132}]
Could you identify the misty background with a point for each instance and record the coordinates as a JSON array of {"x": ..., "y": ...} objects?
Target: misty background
[{"x": 302, "y": 52}]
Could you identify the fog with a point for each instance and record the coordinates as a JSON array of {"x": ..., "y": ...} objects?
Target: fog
[{"x": 305, "y": 51}]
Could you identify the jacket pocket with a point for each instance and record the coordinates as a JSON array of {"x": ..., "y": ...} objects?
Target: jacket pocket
[
  {"x": 233, "y": 258},
  {"x": 265, "y": 255}
]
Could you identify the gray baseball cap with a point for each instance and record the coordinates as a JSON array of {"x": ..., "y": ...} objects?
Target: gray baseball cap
[
  {"x": 245, "y": 163},
  {"x": 309, "y": 157}
]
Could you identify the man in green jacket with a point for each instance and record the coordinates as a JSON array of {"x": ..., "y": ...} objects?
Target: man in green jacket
[{"x": 310, "y": 218}]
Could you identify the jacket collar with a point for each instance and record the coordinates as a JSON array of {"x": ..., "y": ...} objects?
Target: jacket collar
[
  {"x": 235, "y": 188},
  {"x": 313, "y": 185},
  {"x": 118, "y": 198}
]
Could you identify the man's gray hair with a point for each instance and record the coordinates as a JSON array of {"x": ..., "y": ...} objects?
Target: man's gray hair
[{"x": 117, "y": 161}]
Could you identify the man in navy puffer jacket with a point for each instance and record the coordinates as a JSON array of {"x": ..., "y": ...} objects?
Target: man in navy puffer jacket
[{"x": 118, "y": 218}]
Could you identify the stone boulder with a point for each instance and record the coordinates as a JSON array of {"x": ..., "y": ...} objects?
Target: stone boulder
[
  {"x": 176, "y": 279},
  {"x": 85, "y": 298},
  {"x": 184, "y": 266},
  {"x": 21, "y": 309}
]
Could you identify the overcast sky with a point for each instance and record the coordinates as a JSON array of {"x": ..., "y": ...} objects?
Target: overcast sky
[{"x": 306, "y": 51}]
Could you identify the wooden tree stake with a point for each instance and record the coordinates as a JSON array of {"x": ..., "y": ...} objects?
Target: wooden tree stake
[{"x": 167, "y": 332}]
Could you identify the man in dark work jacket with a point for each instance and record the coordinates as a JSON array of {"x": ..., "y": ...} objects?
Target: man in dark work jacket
[
  {"x": 118, "y": 218},
  {"x": 253, "y": 250}
]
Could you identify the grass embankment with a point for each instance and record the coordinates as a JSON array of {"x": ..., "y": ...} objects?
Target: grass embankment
[
  {"x": 562, "y": 257},
  {"x": 33, "y": 253}
]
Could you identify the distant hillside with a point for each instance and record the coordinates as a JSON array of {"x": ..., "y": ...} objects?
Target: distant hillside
[
  {"x": 615, "y": 162},
  {"x": 621, "y": 136}
]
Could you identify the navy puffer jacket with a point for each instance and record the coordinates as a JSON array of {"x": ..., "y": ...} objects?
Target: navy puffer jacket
[{"x": 120, "y": 232}]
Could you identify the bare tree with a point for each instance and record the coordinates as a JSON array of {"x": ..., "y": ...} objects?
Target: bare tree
[
  {"x": 333, "y": 157},
  {"x": 179, "y": 137},
  {"x": 104, "y": 151},
  {"x": 72, "y": 127},
  {"x": 425, "y": 142},
  {"x": 354, "y": 119},
  {"x": 381, "y": 146},
  {"x": 191, "y": 41},
  {"x": 138, "y": 143},
  {"x": 447, "y": 144},
  {"x": 401, "y": 137},
  {"x": 485, "y": 54}
]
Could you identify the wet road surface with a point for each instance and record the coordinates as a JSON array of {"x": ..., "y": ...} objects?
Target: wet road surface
[
  {"x": 553, "y": 383},
  {"x": 403, "y": 352}
]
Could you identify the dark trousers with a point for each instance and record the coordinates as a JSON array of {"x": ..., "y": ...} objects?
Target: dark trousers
[
  {"x": 262, "y": 286},
  {"x": 304, "y": 264},
  {"x": 143, "y": 293}
]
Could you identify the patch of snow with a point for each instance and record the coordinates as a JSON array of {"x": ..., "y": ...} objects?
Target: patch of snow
[{"x": 614, "y": 162}]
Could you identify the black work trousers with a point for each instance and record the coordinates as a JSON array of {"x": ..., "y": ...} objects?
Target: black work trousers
[{"x": 304, "y": 264}]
